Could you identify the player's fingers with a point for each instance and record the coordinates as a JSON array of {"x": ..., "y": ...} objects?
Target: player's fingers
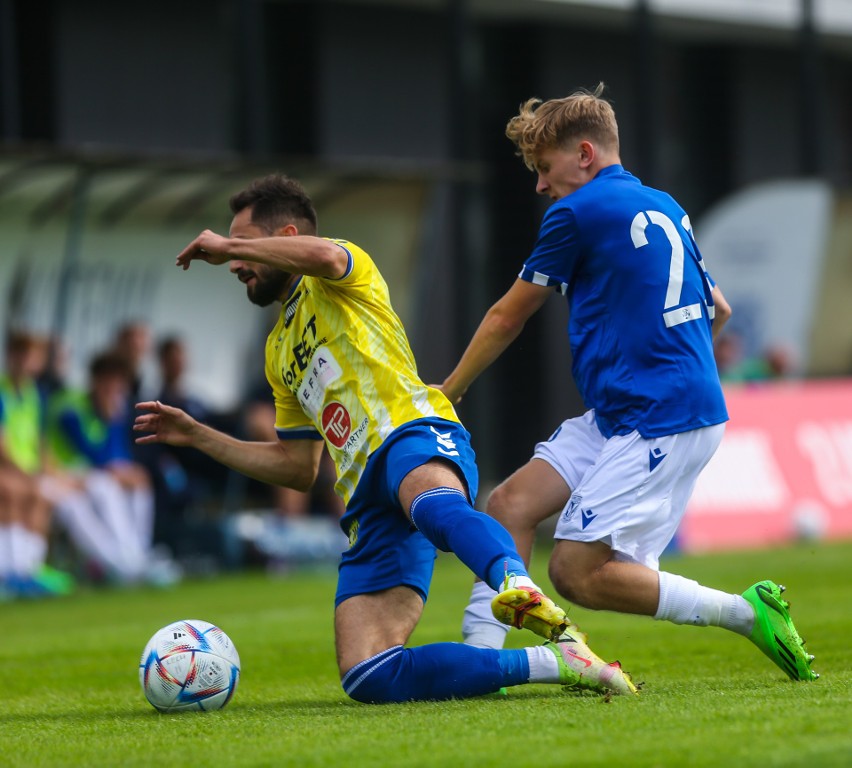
[{"x": 192, "y": 251}]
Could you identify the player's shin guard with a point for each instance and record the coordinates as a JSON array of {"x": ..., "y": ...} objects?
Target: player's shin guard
[
  {"x": 434, "y": 673},
  {"x": 446, "y": 518}
]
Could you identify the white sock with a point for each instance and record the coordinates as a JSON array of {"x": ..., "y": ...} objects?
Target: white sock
[
  {"x": 88, "y": 532},
  {"x": 22, "y": 552},
  {"x": 523, "y": 582},
  {"x": 5, "y": 550},
  {"x": 544, "y": 666},
  {"x": 479, "y": 627},
  {"x": 28, "y": 550},
  {"x": 141, "y": 502},
  {"x": 684, "y": 601},
  {"x": 112, "y": 506}
]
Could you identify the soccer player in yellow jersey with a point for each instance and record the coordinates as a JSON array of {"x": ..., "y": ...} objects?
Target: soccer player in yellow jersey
[{"x": 342, "y": 372}]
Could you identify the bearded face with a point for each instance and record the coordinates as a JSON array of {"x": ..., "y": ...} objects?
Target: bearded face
[{"x": 263, "y": 284}]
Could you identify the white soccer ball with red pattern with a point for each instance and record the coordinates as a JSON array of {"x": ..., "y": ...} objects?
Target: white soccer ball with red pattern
[{"x": 189, "y": 665}]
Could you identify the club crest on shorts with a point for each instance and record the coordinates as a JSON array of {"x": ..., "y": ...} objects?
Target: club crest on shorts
[
  {"x": 586, "y": 515},
  {"x": 571, "y": 508}
]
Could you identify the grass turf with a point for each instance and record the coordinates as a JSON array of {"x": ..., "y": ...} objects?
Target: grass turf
[{"x": 69, "y": 692}]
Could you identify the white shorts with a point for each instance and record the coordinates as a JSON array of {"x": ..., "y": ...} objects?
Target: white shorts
[{"x": 627, "y": 491}]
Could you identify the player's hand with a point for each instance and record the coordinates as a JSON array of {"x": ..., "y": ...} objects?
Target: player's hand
[
  {"x": 164, "y": 423},
  {"x": 451, "y": 396},
  {"x": 208, "y": 246}
]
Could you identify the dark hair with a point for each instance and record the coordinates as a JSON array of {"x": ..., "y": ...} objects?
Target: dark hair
[
  {"x": 167, "y": 345},
  {"x": 110, "y": 364},
  {"x": 275, "y": 201}
]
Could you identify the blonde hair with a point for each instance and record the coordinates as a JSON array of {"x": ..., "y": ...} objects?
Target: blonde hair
[{"x": 552, "y": 124}]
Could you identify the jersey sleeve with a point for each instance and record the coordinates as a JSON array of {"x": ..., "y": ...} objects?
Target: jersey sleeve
[
  {"x": 554, "y": 257},
  {"x": 358, "y": 268}
]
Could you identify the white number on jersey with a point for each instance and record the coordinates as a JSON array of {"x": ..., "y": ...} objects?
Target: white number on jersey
[{"x": 673, "y": 313}]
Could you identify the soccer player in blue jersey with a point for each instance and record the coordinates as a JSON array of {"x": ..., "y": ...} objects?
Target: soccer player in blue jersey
[
  {"x": 643, "y": 316},
  {"x": 342, "y": 372}
]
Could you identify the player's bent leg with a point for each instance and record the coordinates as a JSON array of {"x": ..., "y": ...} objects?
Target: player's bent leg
[
  {"x": 525, "y": 499},
  {"x": 590, "y": 575},
  {"x": 366, "y": 625},
  {"x": 375, "y": 667},
  {"x": 440, "y": 509},
  {"x": 520, "y": 503}
]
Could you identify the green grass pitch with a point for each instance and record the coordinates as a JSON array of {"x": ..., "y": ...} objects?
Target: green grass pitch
[{"x": 69, "y": 691}]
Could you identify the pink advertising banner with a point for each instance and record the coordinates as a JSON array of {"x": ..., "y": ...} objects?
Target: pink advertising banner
[{"x": 782, "y": 472}]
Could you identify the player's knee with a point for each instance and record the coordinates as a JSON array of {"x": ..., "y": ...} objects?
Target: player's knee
[
  {"x": 508, "y": 504},
  {"x": 500, "y": 502},
  {"x": 572, "y": 583}
]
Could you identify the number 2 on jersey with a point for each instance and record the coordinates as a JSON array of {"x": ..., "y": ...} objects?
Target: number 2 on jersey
[{"x": 673, "y": 313}]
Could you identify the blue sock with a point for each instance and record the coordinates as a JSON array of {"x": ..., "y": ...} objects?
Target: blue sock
[
  {"x": 434, "y": 672},
  {"x": 446, "y": 518}
]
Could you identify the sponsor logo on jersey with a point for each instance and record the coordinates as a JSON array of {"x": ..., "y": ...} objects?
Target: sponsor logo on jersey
[
  {"x": 321, "y": 372},
  {"x": 655, "y": 456},
  {"x": 302, "y": 353},
  {"x": 353, "y": 533},
  {"x": 336, "y": 424}
]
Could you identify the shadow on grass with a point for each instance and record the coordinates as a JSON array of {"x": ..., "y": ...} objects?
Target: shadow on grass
[{"x": 291, "y": 707}]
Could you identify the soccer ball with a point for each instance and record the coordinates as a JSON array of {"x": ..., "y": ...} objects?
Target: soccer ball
[{"x": 189, "y": 665}]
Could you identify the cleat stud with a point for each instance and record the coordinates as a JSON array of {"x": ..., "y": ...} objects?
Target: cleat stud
[
  {"x": 811, "y": 657},
  {"x": 782, "y": 588}
]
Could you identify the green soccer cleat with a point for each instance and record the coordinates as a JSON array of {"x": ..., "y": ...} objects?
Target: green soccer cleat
[
  {"x": 530, "y": 609},
  {"x": 580, "y": 667},
  {"x": 54, "y": 581},
  {"x": 774, "y": 632}
]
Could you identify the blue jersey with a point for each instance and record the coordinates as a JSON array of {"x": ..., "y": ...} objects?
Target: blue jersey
[{"x": 640, "y": 306}]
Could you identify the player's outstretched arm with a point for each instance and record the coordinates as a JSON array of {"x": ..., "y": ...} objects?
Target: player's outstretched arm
[
  {"x": 287, "y": 250},
  {"x": 501, "y": 325},
  {"x": 293, "y": 463}
]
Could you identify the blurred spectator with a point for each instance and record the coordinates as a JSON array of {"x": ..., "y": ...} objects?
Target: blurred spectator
[
  {"x": 728, "y": 350},
  {"x": 88, "y": 434},
  {"x": 25, "y": 512},
  {"x": 776, "y": 361},
  {"x": 53, "y": 376},
  {"x": 133, "y": 343},
  {"x": 185, "y": 479},
  {"x": 172, "y": 360}
]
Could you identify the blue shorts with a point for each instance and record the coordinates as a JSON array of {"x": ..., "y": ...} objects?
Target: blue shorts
[{"x": 385, "y": 550}]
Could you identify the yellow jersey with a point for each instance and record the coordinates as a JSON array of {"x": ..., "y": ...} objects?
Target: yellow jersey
[{"x": 341, "y": 368}]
